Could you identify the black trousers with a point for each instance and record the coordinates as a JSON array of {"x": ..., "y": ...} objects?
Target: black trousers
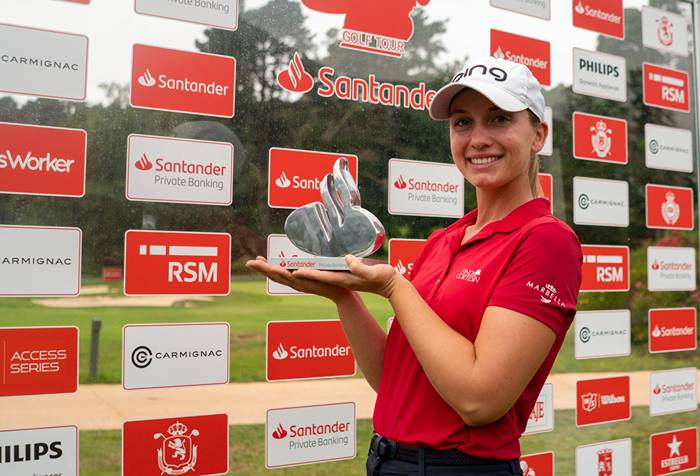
[{"x": 377, "y": 466}]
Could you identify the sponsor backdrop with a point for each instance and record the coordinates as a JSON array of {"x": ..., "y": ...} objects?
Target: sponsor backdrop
[{"x": 148, "y": 148}]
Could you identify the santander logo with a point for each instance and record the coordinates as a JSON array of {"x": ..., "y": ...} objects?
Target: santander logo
[
  {"x": 282, "y": 181},
  {"x": 400, "y": 183},
  {"x": 280, "y": 353},
  {"x": 146, "y": 79},
  {"x": 279, "y": 432},
  {"x": 400, "y": 268},
  {"x": 143, "y": 163},
  {"x": 295, "y": 79}
]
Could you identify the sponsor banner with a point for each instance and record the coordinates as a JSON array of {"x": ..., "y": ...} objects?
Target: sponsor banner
[
  {"x": 403, "y": 252},
  {"x": 184, "y": 445},
  {"x": 183, "y": 81},
  {"x": 533, "y": 53},
  {"x": 40, "y": 261},
  {"x": 38, "y": 360},
  {"x": 294, "y": 176},
  {"x": 299, "y": 350},
  {"x": 172, "y": 170},
  {"x": 673, "y": 452},
  {"x": 312, "y": 434},
  {"x": 279, "y": 246},
  {"x": 541, "y": 417},
  {"x": 43, "y": 63},
  {"x": 296, "y": 80},
  {"x": 605, "y": 268},
  {"x": 540, "y": 9},
  {"x": 548, "y": 147},
  {"x": 669, "y": 207},
  {"x": 40, "y": 160},
  {"x": 601, "y": 202},
  {"x": 602, "y": 400},
  {"x": 177, "y": 263},
  {"x": 175, "y": 355},
  {"x": 670, "y": 268},
  {"x": 39, "y": 451},
  {"x": 547, "y": 184},
  {"x": 607, "y": 458},
  {"x": 218, "y": 13},
  {"x": 602, "y": 334},
  {"x": 600, "y": 138},
  {"x": 600, "y": 75},
  {"x": 539, "y": 464},
  {"x": 419, "y": 188},
  {"x": 666, "y": 88},
  {"x": 664, "y": 31},
  {"x": 668, "y": 148},
  {"x": 673, "y": 330},
  {"x": 673, "y": 391},
  {"x": 112, "y": 273},
  {"x": 602, "y": 16}
]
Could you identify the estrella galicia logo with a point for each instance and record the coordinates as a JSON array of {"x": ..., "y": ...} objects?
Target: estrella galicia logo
[
  {"x": 584, "y": 334},
  {"x": 141, "y": 357},
  {"x": 583, "y": 201},
  {"x": 654, "y": 146}
]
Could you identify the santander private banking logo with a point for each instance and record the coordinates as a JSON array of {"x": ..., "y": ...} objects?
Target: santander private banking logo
[
  {"x": 370, "y": 26},
  {"x": 294, "y": 78}
]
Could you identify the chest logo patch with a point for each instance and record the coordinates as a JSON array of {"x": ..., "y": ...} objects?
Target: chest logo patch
[{"x": 469, "y": 275}]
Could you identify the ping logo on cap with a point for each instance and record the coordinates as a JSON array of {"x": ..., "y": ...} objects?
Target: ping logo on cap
[{"x": 496, "y": 73}]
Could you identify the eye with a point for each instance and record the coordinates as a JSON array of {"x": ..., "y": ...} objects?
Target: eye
[
  {"x": 501, "y": 118},
  {"x": 460, "y": 122}
]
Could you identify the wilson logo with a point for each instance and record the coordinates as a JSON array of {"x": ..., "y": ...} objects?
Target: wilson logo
[
  {"x": 143, "y": 163},
  {"x": 295, "y": 79}
]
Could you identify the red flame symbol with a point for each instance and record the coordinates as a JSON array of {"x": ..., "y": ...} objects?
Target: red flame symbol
[
  {"x": 400, "y": 183},
  {"x": 657, "y": 390},
  {"x": 143, "y": 163},
  {"x": 655, "y": 265},
  {"x": 279, "y": 433},
  {"x": 295, "y": 79},
  {"x": 282, "y": 263}
]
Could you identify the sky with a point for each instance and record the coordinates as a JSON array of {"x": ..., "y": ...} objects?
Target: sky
[{"x": 113, "y": 27}]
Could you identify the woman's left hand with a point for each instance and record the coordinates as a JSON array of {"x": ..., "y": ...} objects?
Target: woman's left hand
[{"x": 379, "y": 279}]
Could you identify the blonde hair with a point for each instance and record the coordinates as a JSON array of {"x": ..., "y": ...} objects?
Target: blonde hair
[{"x": 534, "y": 169}]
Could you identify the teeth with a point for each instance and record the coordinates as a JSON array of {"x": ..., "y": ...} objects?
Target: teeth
[{"x": 483, "y": 160}]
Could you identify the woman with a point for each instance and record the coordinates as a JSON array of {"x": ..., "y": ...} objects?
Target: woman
[{"x": 491, "y": 297}]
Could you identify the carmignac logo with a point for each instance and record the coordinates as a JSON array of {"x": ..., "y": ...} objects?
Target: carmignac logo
[
  {"x": 583, "y": 201},
  {"x": 141, "y": 357},
  {"x": 654, "y": 146},
  {"x": 584, "y": 334}
]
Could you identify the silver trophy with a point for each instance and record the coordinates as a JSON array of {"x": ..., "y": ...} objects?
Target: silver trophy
[{"x": 331, "y": 229}]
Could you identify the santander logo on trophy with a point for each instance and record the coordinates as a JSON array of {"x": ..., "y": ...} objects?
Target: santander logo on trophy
[{"x": 335, "y": 227}]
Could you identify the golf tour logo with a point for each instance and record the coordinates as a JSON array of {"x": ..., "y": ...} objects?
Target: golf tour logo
[
  {"x": 37, "y": 451},
  {"x": 669, "y": 207},
  {"x": 672, "y": 330},
  {"x": 214, "y": 13},
  {"x": 373, "y": 27},
  {"x": 674, "y": 451},
  {"x": 600, "y": 75},
  {"x": 600, "y": 138},
  {"x": 602, "y": 400},
  {"x": 603, "y": 16},
  {"x": 178, "y": 453},
  {"x": 664, "y": 31},
  {"x": 673, "y": 391},
  {"x": 295, "y": 79},
  {"x": 533, "y": 53},
  {"x": 608, "y": 458},
  {"x": 666, "y": 88}
]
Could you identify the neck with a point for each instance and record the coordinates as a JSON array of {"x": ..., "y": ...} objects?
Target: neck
[{"x": 496, "y": 204}]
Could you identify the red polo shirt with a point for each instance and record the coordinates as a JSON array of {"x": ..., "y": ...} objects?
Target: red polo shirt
[{"x": 529, "y": 262}]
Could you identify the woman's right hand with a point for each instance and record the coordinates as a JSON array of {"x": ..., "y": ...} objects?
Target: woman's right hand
[{"x": 285, "y": 277}]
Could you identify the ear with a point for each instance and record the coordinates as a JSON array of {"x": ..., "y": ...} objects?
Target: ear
[{"x": 541, "y": 133}]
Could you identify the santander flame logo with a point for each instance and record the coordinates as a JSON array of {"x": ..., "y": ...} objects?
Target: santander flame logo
[
  {"x": 400, "y": 268},
  {"x": 295, "y": 79},
  {"x": 657, "y": 390},
  {"x": 146, "y": 79},
  {"x": 143, "y": 163},
  {"x": 579, "y": 8},
  {"x": 655, "y": 265},
  {"x": 400, "y": 183},
  {"x": 280, "y": 353},
  {"x": 279, "y": 432},
  {"x": 282, "y": 181}
]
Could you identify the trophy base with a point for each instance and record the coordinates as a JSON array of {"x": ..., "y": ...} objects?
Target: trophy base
[{"x": 314, "y": 262}]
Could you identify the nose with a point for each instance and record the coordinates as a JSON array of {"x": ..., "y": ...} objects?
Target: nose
[{"x": 480, "y": 137}]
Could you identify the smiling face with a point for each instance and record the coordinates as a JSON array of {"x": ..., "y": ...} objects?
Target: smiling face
[{"x": 492, "y": 147}]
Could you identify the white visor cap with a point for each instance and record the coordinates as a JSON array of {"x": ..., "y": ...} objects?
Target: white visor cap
[{"x": 510, "y": 86}]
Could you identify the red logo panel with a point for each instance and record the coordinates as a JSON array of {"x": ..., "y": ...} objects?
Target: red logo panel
[
  {"x": 602, "y": 400},
  {"x": 605, "y": 268},
  {"x": 38, "y": 360},
  {"x": 673, "y": 330},
  {"x": 604, "y": 16},
  {"x": 402, "y": 254},
  {"x": 547, "y": 184},
  {"x": 294, "y": 176},
  {"x": 180, "y": 263},
  {"x": 669, "y": 207},
  {"x": 666, "y": 88},
  {"x": 540, "y": 464},
  {"x": 674, "y": 451},
  {"x": 38, "y": 160},
  {"x": 194, "y": 445},
  {"x": 535, "y": 54},
  {"x": 308, "y": 349},
  {"x": 183, "y": 81},
  {"x": 600, "y": 138}
]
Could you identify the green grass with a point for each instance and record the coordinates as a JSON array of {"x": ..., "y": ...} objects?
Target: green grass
[
  {"x": 247, "y": 309},
  {"x": 100, "y": 450}
]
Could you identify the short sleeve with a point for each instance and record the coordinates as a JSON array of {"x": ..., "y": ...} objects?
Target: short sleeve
[{"x": 543, "y": 276}]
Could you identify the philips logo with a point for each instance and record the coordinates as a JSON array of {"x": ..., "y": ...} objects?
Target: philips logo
[{"x": 598, "y": 67}]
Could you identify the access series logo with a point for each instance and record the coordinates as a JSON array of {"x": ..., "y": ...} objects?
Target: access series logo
[
  {"x": 373, "y": 27},
  {"x": 533, "y": 53},
  {"x": 603, "y": 16},
  {"x": 295, "y": 79},
  {"x": 183, "y": 81}
]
